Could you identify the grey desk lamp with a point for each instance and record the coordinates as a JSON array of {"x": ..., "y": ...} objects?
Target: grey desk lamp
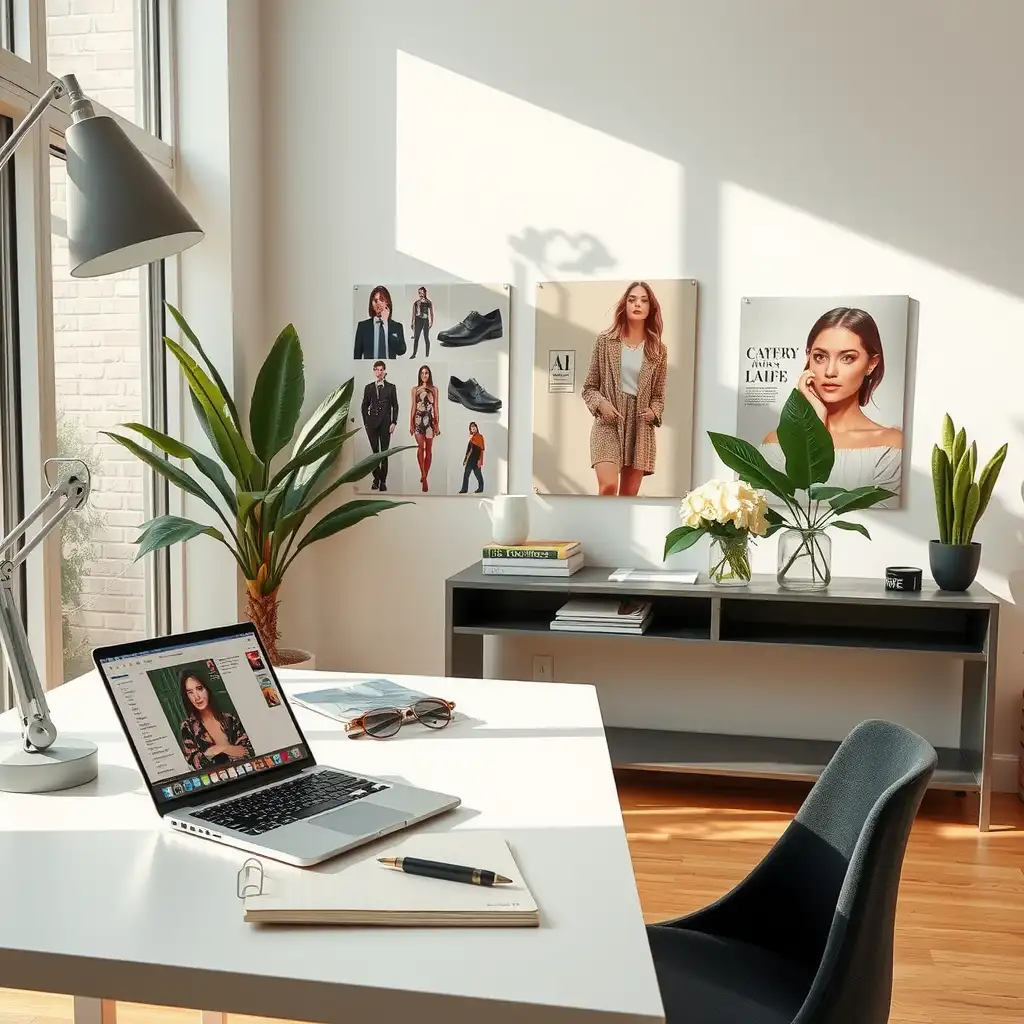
[{"x": 121, "y": 214}]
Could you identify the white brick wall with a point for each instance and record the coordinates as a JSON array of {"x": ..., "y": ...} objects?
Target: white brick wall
[{"x": 98, "y": 333}]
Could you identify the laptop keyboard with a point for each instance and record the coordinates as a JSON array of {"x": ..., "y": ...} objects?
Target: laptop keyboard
[{"x": 266, "y": 809}]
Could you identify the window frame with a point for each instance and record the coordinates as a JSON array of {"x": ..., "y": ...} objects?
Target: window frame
[{"x": 24, "y": 76}]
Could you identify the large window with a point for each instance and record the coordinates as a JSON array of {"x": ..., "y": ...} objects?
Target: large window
[
  {"x": 108, "y": 45},
  {"x": 80, "y": 356},
  {"x": 100, "y": 328}
]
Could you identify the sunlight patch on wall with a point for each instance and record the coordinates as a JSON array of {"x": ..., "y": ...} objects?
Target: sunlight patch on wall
[
  {"x": 771, "y": 248},
  {"x": 486, "y": 182}
]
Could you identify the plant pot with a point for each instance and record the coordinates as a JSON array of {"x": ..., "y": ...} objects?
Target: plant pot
[
  {"x": 729, "y": 561},
  {"x": 954, "y": 566},
  {"x": 805, "y": 560},
  {"x": 296, "y": 657}
]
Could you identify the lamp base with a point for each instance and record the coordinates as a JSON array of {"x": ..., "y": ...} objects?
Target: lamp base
[{"x": 69, "y": 762}]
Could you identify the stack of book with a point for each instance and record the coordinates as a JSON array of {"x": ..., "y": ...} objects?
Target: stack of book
[
  {"x": 603, "y": 615},
  {"x": 534, "y": 558}
]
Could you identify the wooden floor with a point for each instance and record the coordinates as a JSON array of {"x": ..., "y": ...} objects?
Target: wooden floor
[{"x": 960, "y": 919}]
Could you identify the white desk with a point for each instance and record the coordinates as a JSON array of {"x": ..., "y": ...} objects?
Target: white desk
[{"x": 102, "y": 901}]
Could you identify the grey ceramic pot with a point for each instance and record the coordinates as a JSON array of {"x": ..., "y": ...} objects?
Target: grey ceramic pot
[{"x": 954, "y": 566}]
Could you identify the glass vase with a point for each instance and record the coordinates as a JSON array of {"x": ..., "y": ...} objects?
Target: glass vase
[
  {"x": 805, "y": 560},
  {"x": 729, "y": 561}
]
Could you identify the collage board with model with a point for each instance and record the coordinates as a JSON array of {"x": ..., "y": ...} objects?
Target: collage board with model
[{"x": 431, "y": 371}]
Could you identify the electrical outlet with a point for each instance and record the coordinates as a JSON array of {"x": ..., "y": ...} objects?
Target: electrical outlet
[{"x": 543, "y": 668}]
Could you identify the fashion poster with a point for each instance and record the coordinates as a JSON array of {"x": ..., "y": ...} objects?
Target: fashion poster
[
  {"x": 431, "y": 370},
  {"x": 848, "y": 355},
  {"x": 613, "y": 387}
]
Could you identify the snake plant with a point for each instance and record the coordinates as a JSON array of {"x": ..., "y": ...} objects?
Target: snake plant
[{"x": 960, "y": 499}]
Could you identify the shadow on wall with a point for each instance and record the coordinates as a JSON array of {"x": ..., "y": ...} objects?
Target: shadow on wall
[{"x": 556, "y": 251}]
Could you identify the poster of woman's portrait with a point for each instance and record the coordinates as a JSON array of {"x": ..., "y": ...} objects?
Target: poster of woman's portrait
[
  {"x": 848, "y": 356},
  {"x": 613, "y": 387}
]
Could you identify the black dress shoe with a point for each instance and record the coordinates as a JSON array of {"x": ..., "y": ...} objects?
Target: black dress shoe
[
  {"x": 476, "y": 327},
  {"x": 470, "y": 394}
]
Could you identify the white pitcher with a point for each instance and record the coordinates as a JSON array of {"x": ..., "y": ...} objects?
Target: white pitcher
[{"x": 510, "y": 518}]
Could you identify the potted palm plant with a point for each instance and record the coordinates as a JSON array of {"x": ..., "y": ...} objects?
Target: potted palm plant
[
  {"x": 262, "y": 507},
  {"x": 811, "y": 505}
]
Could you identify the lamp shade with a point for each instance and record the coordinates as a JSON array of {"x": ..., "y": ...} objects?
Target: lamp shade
[{"x": 120, "y": 213}]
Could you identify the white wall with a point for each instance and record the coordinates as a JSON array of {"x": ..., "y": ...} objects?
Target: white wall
[
  {"x": 784, "y": 148},
  {"x": 220, "y": 180}
]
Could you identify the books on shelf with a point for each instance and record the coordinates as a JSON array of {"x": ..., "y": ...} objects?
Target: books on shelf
[
  {"x": 604, "y": 615},
  {"x": 533, "y": 558}
]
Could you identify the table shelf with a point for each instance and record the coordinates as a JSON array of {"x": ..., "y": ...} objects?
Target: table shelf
[
  {"x": 851, "y": 614},
  {"x": 764, "y": 757}
]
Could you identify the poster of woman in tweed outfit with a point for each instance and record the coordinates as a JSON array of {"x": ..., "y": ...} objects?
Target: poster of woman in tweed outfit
[
  {"x": 613, "y": 387},
  {"x": 624, "y": 391}
]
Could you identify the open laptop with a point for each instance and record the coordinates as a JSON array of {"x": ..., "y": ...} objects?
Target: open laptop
[{"x": 246, "y": 777}]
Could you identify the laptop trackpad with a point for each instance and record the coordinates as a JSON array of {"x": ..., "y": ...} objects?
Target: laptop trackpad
[{"x": 359, "y": 818}]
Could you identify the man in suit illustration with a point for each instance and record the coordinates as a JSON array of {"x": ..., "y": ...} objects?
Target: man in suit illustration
[
  {"x": 380, "y": 414},
  {"x": 379, "y": 336}
]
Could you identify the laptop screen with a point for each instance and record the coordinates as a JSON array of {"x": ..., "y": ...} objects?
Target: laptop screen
[{"x": 203, "y": 713}]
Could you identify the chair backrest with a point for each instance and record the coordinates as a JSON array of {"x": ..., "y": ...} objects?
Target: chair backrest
[{"x": 855, "y": 824}]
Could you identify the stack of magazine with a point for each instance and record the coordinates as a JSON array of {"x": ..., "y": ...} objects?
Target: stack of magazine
[
  {"x": 603, "y": 615},
  {"x": 349, "y": 700}
]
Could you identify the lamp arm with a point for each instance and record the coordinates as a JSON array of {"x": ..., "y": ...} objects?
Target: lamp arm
[
  {"x": 57, "y": 88},
  {"x": 37, "y": 730}
]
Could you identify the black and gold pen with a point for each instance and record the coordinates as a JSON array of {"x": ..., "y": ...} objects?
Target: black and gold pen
[{"x": 449, "y": 872}]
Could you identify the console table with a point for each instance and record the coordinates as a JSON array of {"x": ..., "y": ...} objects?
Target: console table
[{"x": 852, "y": 612}]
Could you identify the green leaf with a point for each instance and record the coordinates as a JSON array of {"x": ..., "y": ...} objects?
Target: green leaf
[
  {"x": 987, "y": 480},
  {"x": 959, "y": 447},
  {"x": 179, "y": 450},
  {"x": 743, "y": 458},
  {"x": 326, "y": 417},
  {"x": 961, "y": 485},
  {"x": 168, "y": 530},
  {"x": 166, "y": 469},
  {"x": 948, "y": 437},
  {"x": 806, "y": 443},
  {"x": 363, "y": 468},
  {"x": 823, "y": 492},
  {"x": 326, "y": 447},
  {"x": 774, "y": 528},
  {"x": 972, "y": 456},
  {"x": 277, "y": 396},
  {"x": 842, "y": 524},
  {"x": 342, "y": 518},
  {"x": 971, "y": 511},
  {"x": 246, "y": 500},
  {"x": 859, "y": 498},
  {"x": 222, "y": 387},
  {"x": 212, "y": 408},
  {"x": 941, "y": 484},
  {"x": 681, "y": 538}
]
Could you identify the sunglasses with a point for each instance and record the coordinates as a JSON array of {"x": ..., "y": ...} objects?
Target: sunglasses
[{"x": 380, "y": 723}]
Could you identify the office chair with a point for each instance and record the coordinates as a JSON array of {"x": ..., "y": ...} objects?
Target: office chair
[{"x": 807, "y": 936}]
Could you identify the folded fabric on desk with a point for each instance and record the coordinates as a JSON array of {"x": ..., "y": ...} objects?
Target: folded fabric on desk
[{"x": 368, "y": 893}]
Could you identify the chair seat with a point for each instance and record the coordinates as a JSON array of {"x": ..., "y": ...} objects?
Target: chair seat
[{"x": 706, "y": 979}]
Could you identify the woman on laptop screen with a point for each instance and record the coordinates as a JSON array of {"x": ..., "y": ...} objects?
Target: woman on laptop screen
[{"x": 209, "y": 736}]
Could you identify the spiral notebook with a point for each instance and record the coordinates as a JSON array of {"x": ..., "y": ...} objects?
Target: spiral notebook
[{"x": 368, "y": 893}]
